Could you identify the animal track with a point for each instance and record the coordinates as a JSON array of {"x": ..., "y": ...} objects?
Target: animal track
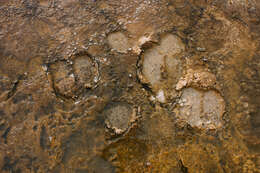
[
  {"x": 118, "y": 41},
  {"x": 86, "y": 71},
  {"x": 69, "y": 79},
  {"x": 159, "y": 57},
  {"x": 202, "y": 109},
  {"x": 119, "y": 117}
]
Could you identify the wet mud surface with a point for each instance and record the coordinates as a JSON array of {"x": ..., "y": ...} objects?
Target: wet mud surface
[{"x": 104, "y": 86}]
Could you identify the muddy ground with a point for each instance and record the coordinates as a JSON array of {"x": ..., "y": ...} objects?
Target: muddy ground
[{"x": 154, "y": 86}]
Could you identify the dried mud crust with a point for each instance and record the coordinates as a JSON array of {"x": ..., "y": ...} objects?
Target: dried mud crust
[{"x": 129, "y": 86}]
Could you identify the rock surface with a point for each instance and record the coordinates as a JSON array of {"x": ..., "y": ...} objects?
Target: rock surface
[{"x": 169, "y": 86}]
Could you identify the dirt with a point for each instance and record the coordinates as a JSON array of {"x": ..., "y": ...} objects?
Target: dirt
[{"x": 129, "y": 86}]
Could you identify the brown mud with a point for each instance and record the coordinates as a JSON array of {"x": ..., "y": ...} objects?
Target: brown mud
[{"x": 169, "y": 86}]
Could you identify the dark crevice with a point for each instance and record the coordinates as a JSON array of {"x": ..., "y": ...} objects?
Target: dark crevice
[
  {"x": 9, "y": 164},
  {"x": 144, "y": 85},
  {"x": 14, "y": 88},
  {"x": 43, "y": 138},
  {"x": 5, "y": 134},
  {"x": 183, "y": 168}
]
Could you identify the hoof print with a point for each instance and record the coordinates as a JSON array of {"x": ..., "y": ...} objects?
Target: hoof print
[
  {"x": 201, "y": 109},
  {"x": 119, "y": 117}
]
